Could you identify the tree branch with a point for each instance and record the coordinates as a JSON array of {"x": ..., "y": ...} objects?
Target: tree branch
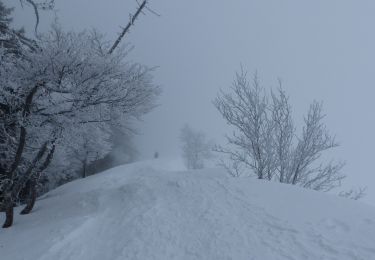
[{"x": 126, "y": 29}]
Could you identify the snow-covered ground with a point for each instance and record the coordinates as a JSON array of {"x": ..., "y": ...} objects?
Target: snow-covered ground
[{"x": 149, "y": 210}]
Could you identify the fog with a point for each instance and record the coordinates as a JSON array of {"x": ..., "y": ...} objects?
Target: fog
[{"x": 321, "y": 50}]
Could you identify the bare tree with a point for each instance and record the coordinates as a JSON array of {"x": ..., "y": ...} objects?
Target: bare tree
[
  {"x": 195, "y": 148},
  {"x": 265, "y": 143}
]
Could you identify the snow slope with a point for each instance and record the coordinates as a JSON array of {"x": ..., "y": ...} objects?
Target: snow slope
[{"x": 145, "y": 211}]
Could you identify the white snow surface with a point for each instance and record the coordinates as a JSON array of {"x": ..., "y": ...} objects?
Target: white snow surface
[{"x": 148, "y": 210}]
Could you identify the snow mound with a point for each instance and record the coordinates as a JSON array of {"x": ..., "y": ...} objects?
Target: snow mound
[{"x": 142, "y": 211}]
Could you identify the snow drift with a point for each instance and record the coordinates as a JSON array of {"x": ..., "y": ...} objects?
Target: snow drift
[{"x": 145, "y": 211}]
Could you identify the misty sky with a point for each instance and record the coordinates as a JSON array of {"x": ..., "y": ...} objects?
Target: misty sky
[{"x": 323, "y": 50}]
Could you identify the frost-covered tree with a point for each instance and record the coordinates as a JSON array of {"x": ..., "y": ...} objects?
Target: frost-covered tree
[
  {"x": 264, "y": 141},
  {"x": 70, "y": 81},
  {"x": 304, "y": 169},
  {"x": 54, "y": 85},
  {"x": 5, "y": 20},
  {"x": 12, "y": 44},
  {"x": 283, "y": 133},
  {"x": 196, "y": 149},
  {"x": 247, "y": 109}
]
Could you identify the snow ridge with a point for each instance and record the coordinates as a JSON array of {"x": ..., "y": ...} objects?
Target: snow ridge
[{"x": 143, "y": 211}]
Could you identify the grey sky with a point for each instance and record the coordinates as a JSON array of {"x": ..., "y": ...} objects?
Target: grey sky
[{"x": 321, "y": 50}]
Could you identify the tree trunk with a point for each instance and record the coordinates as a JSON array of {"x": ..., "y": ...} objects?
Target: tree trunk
[
  {"x": 31, "y": 184},
  {"x": 23, "y": 133},
  {"x": 31, "y": 190},
  {"x": 84, "y": 169},
  {"x": 8, "y": 215}
]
